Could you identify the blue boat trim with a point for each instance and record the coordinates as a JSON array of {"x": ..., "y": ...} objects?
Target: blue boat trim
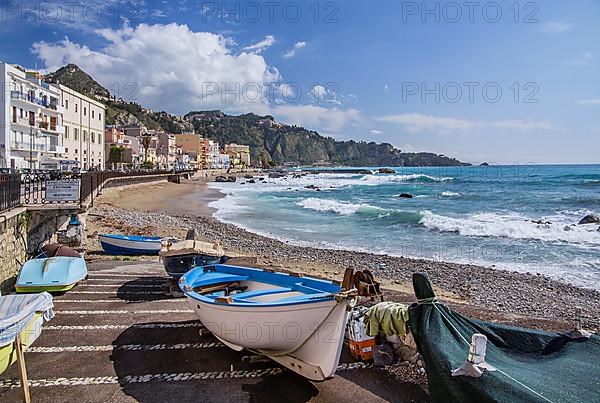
[
  {"x": 135, "y": 238},
  {"x": 314, "y": 290}
]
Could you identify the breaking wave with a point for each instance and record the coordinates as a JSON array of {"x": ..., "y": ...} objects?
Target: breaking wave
[
  {"x": 367, "y": 210},
  {"x": 553, "y": 229}
]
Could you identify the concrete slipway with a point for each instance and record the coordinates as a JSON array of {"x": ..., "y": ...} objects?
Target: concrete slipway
[{"x": 122, "y": 337}]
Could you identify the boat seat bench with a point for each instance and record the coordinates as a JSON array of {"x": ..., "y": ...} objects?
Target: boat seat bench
[{"x": 260, "y": 293}]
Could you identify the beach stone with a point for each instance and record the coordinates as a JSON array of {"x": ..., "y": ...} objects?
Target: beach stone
[
  {"x": 386, "y": 171},
  {"x": 406, "y": 196},
  {"x": 590, "y": 219}
]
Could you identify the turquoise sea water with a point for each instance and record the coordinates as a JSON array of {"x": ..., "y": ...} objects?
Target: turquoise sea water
[{"x": 512, "y": 217}]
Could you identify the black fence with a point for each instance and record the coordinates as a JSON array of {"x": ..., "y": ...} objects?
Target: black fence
[
  {"x": 44, "y": 187},
  {"x": 10, "y": 191}
]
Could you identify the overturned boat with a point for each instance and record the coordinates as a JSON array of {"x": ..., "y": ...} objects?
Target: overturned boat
[
  {"x": 130, "y": 245},
  {"x": 296, "y": 321},
  {"x": 181, "y": 257},
  {"x": 53, "y": 274}
]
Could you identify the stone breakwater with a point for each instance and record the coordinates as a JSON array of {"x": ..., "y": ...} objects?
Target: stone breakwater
[{"x": 504, "y": 291}]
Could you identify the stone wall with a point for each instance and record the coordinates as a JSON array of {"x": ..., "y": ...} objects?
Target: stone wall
[{"x": 13, "y": 246}]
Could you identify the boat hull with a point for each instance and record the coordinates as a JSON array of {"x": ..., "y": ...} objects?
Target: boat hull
[
  {"x": 8, "y": 353},
  {"x": 177, "y": 266},
  {"x": 305, "y": 339},
  {"x": 55, "y": 274},
  {"x": 297, "y": 321},
  {"x": 126, "y": 246}
]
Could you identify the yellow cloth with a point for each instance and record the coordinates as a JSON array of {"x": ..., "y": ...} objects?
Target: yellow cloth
[{"x": 389, "y": 318}]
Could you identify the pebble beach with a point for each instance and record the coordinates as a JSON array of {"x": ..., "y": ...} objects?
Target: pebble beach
[{"x": 512, "y": 297}]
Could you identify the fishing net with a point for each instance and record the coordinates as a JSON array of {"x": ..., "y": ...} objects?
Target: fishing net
[{"x": 530, "y": 365}]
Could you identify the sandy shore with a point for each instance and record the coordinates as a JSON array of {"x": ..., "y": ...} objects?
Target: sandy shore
[{"x": 489, "y": 294}]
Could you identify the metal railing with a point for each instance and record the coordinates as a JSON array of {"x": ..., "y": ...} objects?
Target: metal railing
[
  {"x": 33, "y": 100},
  {"x": 33, "y": 184},
  {"x": 10, "y": 191}
]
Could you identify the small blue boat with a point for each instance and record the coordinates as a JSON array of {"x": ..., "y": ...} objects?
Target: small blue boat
[
  {"x": 130, "y": 245},
  {"x": 54, "y": 274}
]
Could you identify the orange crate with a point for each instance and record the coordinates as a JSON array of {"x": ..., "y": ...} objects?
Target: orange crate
[{"x": 362, "y": 350}]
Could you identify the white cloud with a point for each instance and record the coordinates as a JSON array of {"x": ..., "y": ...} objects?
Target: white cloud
[
  {"x": 159, "y": 14},
  {"x": 175, "y": 69},
  {"x": 178, "y": 70},
  {"x": 555, "y": 27},
  {"x": 591, "y": 101},
  {"x": 386, "y": 88},
  {"x": 262, "y": 45},
  {"x": 292, "y": 52},
  {"x": 376, "y": 132},
  {"x": 321, "y": 94},
  {"x": 416, "y": 122}
]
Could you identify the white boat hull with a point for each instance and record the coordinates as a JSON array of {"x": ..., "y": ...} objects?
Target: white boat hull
[{"x": 306, "y": 338}]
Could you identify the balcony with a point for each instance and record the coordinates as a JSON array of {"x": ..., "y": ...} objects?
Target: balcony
[
  {"x": 50, "y": 128},
  {"x": 24, "y": 146},
  {"x": 33, "y": 100}
]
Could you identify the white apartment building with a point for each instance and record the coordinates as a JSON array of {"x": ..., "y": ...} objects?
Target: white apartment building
[
  {"x": 83, "y": 120},
  {"x": 167, "y": 149},
  {"x": 31, "y": 126}
]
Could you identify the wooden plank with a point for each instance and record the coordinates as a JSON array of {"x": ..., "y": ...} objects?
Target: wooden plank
[{"x": 22, "y": 370}]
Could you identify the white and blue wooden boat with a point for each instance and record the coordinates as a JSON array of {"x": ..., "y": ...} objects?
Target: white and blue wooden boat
[
  {"x": 297, "y": 321},
  {"x": 180, "y": 257},
  {"x": 54, "y": 274},
  {"x": 130, "y": 245}
]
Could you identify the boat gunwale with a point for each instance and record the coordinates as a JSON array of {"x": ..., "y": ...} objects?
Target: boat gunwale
[
  {"x": 277, "y": 275},
  {"x": 140, "y": 238}
]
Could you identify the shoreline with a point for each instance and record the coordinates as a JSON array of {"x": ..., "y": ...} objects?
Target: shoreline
[{"x": 516, "y": 296}]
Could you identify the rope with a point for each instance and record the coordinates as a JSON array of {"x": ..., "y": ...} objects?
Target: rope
[
  {"x": 427, "y": 301},
  {"x": 497, "y": 369}
]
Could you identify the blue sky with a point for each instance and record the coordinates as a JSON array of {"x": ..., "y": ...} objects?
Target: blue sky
[{"x": 502, "y": 82}]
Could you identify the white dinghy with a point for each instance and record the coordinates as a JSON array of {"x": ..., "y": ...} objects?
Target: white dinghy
[{"x": 297, "y": 321}]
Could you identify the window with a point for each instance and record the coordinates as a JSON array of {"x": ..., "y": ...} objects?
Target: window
[
  {"x": 14, "y": 110},
  {"x": 66, "y": 103},
  {"x": 85, "y": 138},
  {"x": 21, "y": 113},
  {"x": 93, "y": 114},
  {"x": 100, "y": 116},
  {"x": 76, "y": 152},
  {"x": 99, "y": 138},
  {"x": 84, "y": 111},
  {"x": 75, "y": 135},
  {"x": 84, "y": 152},
  {"x": 66, "y": 132},
  {"x": 75, "y": 108},
  {"x": 93, "y": 137},
  {"x": 66, "y": 150}
]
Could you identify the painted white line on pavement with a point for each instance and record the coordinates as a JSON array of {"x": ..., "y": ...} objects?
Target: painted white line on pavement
[
  {"x": 124, "y": 347},
  {"x": 106, "y": 312},
  {"x": 135, "y": 326},
  {"x": 176, "y": 377}
]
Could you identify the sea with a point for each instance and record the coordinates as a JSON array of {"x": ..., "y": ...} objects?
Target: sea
[{"x": 518, "y": 217}]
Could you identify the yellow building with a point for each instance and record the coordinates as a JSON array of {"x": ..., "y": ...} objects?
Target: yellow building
[{"x": 238, "y": 154}]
